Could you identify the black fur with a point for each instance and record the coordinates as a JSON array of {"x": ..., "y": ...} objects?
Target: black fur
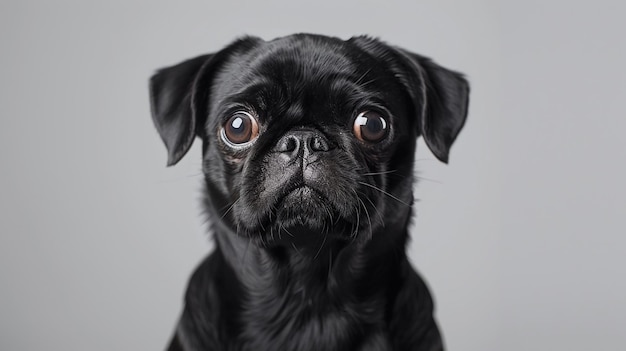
[{"x": 310, "y": 222}]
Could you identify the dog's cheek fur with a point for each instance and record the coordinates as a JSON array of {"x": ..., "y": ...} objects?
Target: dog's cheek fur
[{"x": 223, "y": 181}]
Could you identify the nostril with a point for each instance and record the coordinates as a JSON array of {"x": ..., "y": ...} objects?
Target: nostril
[
  {"x": 299, "y": 141},
  {"x": 288, "y": 144},
  {"x": 317, "y": 143}
]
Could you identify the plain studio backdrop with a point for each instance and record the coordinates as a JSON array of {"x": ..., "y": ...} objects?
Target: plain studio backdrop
[{"x": 521, "y": 238}]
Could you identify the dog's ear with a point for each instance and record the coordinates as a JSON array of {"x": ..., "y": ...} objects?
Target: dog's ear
[
  {"x": 179, "y": 98},
  {"x": 171, "y": 89},
  {"x": 442, "y": 97},
  {"x": 439, "y": 96}
]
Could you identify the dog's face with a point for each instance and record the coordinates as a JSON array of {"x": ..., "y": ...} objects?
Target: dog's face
[{"x": 308, "y": 134}]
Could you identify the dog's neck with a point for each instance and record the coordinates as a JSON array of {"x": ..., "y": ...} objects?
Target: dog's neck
[
  {"x": 305, "y": 288},
  {"x": 303, "y": 271},
  {"x": 311, "y": 284}
]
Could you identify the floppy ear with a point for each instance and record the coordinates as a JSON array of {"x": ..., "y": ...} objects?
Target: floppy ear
[
  {"x": 171, "y": 91},
  {"x": 442, "y": 97},
  {"x": 179, "y": 97}
]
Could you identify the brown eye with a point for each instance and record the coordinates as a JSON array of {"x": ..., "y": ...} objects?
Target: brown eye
[
  {"x": 241, "y": 128},
  {"x": 370, "y": 126}
]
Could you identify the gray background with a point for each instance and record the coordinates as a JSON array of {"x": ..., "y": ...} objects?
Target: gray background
[{"x": 521, "y": 237}]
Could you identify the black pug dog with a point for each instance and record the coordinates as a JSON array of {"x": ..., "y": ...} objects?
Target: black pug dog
[{"x": 308, "y": 153}]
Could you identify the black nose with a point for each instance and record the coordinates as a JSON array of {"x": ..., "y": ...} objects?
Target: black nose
[{"x": 302, "y": 143}]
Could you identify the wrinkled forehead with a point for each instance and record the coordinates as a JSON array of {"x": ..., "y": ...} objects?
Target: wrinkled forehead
[
  {"x": 305, "y": 72},
  {"x": 305, "y": 62}
]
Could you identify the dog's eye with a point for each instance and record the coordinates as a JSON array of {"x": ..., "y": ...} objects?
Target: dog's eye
[
  {"x": 240, "y": 128},
  {"x": 370, "y": 126}
]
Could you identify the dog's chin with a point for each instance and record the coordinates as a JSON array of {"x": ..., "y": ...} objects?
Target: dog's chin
[
  {"x": 305, "y": 216},
  {"x": 306, "y": 207}
]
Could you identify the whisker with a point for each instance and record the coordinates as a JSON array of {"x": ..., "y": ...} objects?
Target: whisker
[
  {"x": 330, "y": 214},
  {"x": 368, "y": 216},
  {"x": 428, "y": 180},
  {"x": 229, "y": 209},
  {"x": 320, "y": 249},
  {"x": 245, "y": 252},
  {"x": 390, "y": 172},
  {"x": 354, "y": 233},
  {"x": 375, "y": 208},
  {"x": 379, "y": 173},
  {"x": 286, "y": 231},
  {"x": 297, "y": 251},
  {"x": 330, "y": 266},
  {"x": 384, "y": 192}
]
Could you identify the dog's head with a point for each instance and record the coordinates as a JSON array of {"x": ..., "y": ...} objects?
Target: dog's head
[{"x": 308, "y": 134}]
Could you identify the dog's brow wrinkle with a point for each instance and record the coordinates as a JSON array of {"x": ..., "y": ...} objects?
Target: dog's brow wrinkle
[{"x": 295, "y": 110}]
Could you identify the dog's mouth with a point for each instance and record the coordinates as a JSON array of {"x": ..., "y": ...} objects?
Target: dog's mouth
[
  {"x": 319, "y": 199},
  {"x": 305, "y": 206},
  {"x": 302, "y": 215}
]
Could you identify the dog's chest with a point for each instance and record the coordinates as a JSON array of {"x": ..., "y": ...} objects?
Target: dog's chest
[{"x": 305, "y": 327}]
